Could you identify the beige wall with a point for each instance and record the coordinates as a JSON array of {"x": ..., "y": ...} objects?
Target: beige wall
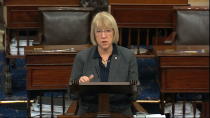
[{"x": 199, "y": 2}]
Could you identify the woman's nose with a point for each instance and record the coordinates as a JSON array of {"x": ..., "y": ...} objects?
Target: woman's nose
[{"x": 103, "y": 34}]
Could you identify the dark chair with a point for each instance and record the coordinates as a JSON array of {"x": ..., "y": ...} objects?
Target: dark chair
[
  {"x": 65, "y": 25},
  {"x": 192, "y": 27}
]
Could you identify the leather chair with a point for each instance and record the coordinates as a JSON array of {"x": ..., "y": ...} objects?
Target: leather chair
[
  {"x": 192, "y": 27},
  {"x": 65, "y": 25}
]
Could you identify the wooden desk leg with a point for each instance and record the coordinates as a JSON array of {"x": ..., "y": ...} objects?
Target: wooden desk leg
[
  {"x": 52, "y": 105},
  {"x": 40, "y": 108},
  {"x": 28, "y": 104},
  {"x": 205, "y": 110},
  {"x": 162, "y": 102},
  {"x": 63, "y": 101}
]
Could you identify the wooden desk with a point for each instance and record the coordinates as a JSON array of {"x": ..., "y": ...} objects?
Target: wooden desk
[
  {"x": 49, "y": 67},
  {"x": 183, "y": 68}
]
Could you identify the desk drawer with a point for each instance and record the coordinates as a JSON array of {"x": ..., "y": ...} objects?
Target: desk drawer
[
  {"x": 144, "y": 16},
  {"x": 48, "y": 77},
  {"x": 192, "y": 79},
  {"x": 184, "y": 61},
  {"x": 59, "y": 59}
]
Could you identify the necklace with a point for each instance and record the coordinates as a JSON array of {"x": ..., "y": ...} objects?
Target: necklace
[{"x": 104, "y": 62}]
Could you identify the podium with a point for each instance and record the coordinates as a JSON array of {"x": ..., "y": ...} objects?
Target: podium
[{"x": 103, "y": 89}]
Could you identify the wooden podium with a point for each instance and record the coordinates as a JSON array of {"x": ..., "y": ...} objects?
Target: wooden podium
[{"x": 102, "y": 89}]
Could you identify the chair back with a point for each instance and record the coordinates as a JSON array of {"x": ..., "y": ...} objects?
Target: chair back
[
  {"x": 192, "y": 27},
  {"x": 66, "y": 25}
]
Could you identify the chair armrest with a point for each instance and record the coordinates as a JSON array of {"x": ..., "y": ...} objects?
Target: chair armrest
[
  {"x": 72, "y": 108},
  {"x": 71, "y": 112},
  {"x": 138, "y": 107},
  {"x": 39, "y": 41},
  {"x": 170, "y": 39}
]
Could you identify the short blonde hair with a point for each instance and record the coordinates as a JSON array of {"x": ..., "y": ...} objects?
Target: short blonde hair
[{"x": 104, "y": 20}]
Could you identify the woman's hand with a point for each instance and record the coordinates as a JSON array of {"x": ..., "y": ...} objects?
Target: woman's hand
[{"x": 83, "y": 79}]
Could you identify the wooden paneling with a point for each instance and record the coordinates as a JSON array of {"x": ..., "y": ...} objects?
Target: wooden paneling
[
  {"x": 199, "y": 2},
  {"x": 48, "y": 77},
  {"x": 76, "y": 2},
  {"x": 41, "y": 2},
  {"x": 183, "y": 71},
  {"x": 184, "y": 61},
  {"x": 56, "y": 59},
  {"x": 148, "y": 1},
  {"x": 185, "y": 79},
  {"x": 184, "y": 74},
  {"x": 144, "y": 16},
  {"x": 23, "y": 17},
  {"x": 25, "y": 14},
  {"x": 48, "y": 71}
]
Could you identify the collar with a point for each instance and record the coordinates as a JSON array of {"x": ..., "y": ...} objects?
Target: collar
[{"x": 114, "y": 52}]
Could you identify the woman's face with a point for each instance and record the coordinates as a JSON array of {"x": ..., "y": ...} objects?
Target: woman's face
[{"x": 104, "y": 37}]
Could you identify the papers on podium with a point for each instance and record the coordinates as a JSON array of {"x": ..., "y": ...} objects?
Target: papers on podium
[{"x": 149, "y": 116}]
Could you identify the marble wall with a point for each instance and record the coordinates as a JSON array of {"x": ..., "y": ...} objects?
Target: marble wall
[{"x": 199, "y": 2}]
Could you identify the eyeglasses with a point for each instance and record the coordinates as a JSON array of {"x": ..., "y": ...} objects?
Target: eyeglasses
[{"x": 106, "y": 31}]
